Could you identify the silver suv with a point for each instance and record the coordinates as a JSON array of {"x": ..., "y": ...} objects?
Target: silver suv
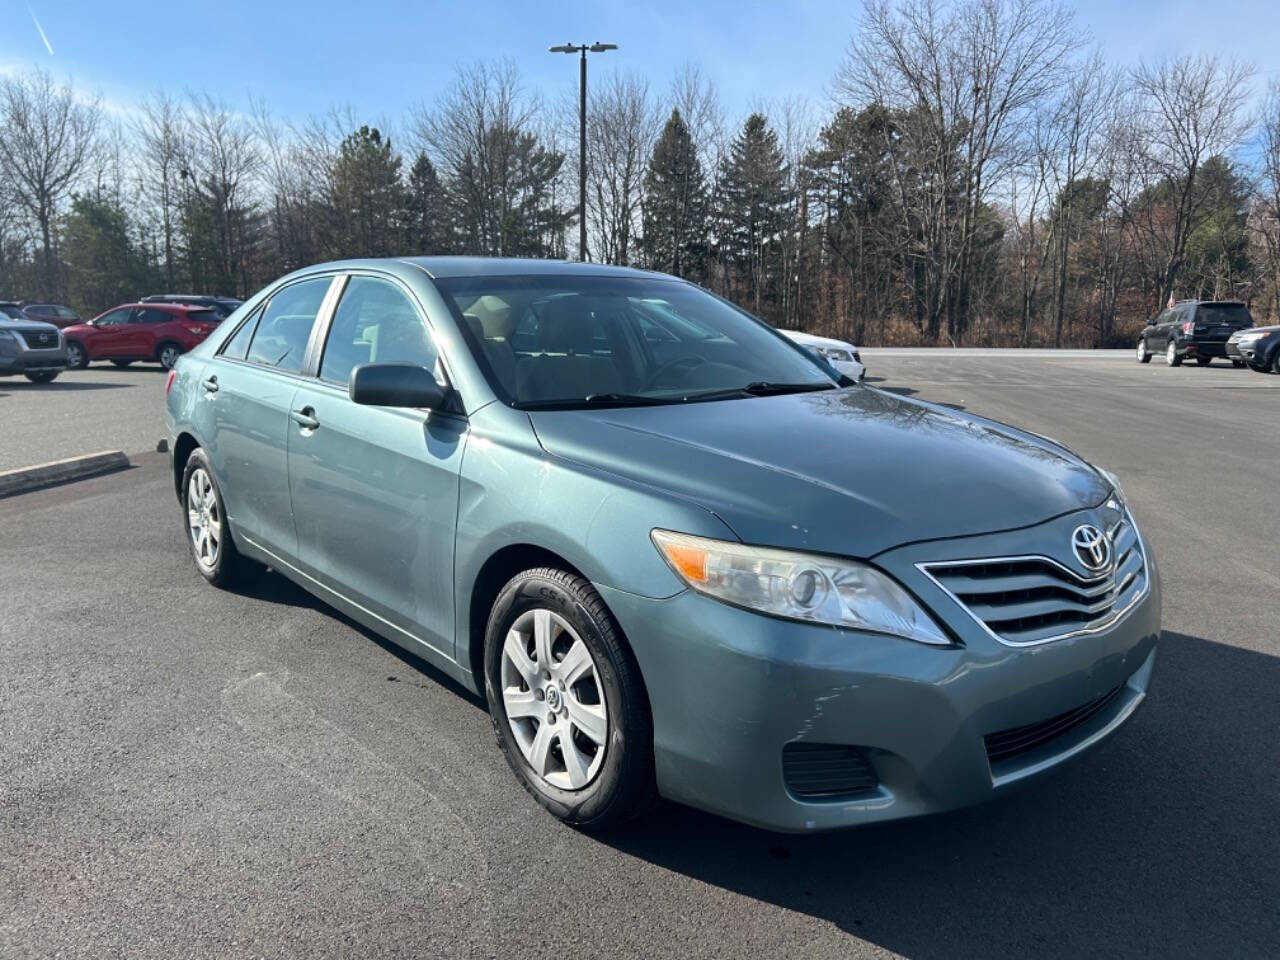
[{"x": 31, "y": 348}]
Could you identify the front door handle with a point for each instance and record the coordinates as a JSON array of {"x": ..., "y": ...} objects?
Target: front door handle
[
  {"x": 210, "y": 384},
  {"x": 304, "y": 418}
]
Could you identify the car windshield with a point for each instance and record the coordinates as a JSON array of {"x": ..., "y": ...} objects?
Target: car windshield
[
  {"x": 1235, "y": 314},
  {"x": 10, "y": 310},
  {"x": 573, "y": 341}
]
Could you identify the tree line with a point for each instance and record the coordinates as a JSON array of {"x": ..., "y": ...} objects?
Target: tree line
[{"x": 977, "y": 176}]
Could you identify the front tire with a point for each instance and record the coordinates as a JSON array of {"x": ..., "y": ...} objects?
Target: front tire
[
  {"x": 77, "y": 355},
  {"x": 42, "y": 376},
  {"x": 1171, "y": 355},
  {"x": 1144, "y": 355},
  {"x": 568, "y": 705},
  {"x": 1275, "y": 361},
  {"x": 1237, "y": 364},
  {"x": 208, "y": 535}
]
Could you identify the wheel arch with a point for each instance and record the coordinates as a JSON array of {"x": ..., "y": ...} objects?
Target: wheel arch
[
  {"x": 183, "y": 446},
  {"x": 500, "y": 566},
  {"x": 166, "y": 342}
]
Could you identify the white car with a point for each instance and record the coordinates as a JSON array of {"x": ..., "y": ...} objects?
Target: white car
[{"x": 843, "y": 356}]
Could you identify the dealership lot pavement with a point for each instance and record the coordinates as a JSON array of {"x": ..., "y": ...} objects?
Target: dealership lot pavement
[{"x": 186, "y": 772}]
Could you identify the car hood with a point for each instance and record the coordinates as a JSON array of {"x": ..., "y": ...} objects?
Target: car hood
[
  {"x": 8, "y": 322},
  {"x": 854, "y": 471}
]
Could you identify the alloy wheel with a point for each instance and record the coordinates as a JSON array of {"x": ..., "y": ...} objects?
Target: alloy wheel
[
  {"x": 1171, "y": 354},
  {"x": 1142, "y": 351},
  {"x": 553, "y": 699},
  {"x": 74, "y": 355},
  {"x": 169, "y": 356},
  {"x": 204, "y": 519}
]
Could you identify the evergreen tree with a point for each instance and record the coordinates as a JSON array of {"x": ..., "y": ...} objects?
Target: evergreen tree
[
  {"x": 367, "y": 195},
  {"x": 106, "y": 263},
  {"x": 751, "y": 212},
  {"x": 427, "y": 222},
  {"x": 675, "y": 212}
]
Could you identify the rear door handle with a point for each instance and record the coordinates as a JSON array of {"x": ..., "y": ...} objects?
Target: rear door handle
[
  {"x": 210, "y": 384},
  {"x": 304, "y": 418}
]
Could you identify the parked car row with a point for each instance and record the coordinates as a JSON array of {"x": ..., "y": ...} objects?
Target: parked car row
[
  {"x": 1202, "y": 330},
  {"x": 40, "y": 340}
]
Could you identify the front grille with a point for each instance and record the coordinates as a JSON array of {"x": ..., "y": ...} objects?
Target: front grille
[
  {"x": 37, "y": 339},
  {"x": 1025, "y": 600},
  {"x": 826, "y": 770},
  {"x": 1010, "y": 743}
]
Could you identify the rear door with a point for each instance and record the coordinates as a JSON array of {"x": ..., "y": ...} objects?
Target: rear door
[
  {"x": 146, "y": 330},
  {"x": 375, "y": 489},
  {"x": 247, "y": 390}
]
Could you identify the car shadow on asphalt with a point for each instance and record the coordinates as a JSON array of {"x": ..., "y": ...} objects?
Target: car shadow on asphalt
[
  {"x": 1160, "y": 842},
  {"x": 63, "y": 385},
  {"x": 273, "y": 587}
]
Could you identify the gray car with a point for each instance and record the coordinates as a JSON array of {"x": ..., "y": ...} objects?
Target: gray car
[
  {"x": 28, "y": 347},
  {"x": 676, "y": 553}
]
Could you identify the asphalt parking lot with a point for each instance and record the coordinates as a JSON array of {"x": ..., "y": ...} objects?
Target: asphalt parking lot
[{"x": 187, "y": 772}]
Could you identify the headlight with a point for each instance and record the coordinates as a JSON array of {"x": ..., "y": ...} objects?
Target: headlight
[
  {"x": 1249, "y": 337},
  {"x": 798, "y": 586}
]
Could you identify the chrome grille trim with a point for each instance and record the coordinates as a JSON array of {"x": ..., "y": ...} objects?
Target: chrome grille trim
[{"x": 1114, "y": 589}]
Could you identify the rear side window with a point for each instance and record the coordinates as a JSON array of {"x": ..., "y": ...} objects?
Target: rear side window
[
  {"x": 204, "y": 316},
  {"x": 238, "y": 345},
  {"x": 151, "y": 315},
  {"x": 375, "y": 323},
  {"x": 281, "y": 338}
]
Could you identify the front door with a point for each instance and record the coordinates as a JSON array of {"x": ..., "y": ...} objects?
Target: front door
[
  {"x": 110, "y": 334},
  {"x": 375, "y": 489}
]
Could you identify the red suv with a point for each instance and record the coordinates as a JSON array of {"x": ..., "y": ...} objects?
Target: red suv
[{"x": 139, "y": 331}]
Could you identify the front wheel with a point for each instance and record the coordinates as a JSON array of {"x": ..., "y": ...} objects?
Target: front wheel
[
  {"x": 168, "y": 354},
  {"x": 1237, "y": 363},
  {"x": 77, "y": 356},
  {"x": 42, "y": 376},
  {"x": 567, "y": 702},
  {"x": 1144, "y": 355},
  {"x": 1171, "y": 355}
]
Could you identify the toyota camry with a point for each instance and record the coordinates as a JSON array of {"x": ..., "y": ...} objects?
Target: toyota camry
[{"x": 679, "y": 555}]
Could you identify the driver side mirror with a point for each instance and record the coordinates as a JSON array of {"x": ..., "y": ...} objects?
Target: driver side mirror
[
  {"x": 395, "y": 385},
  {"x": 1151, "y": 321}
]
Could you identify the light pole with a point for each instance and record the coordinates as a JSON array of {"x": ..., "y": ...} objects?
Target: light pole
[{"x": 583, "y": 49}]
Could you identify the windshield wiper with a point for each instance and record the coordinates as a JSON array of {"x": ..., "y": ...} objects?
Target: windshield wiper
[
  {"x": 597, "y": 400},
  {"x": 762, "y": 388}
]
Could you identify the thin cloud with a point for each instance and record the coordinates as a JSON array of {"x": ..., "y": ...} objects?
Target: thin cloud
[{"x": 34, "y": 19}]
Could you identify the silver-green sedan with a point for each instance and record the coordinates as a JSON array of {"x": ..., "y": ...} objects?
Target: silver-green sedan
[{"x": 678, "y": 554}]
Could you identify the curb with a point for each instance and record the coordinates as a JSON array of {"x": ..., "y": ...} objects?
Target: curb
[{"x": 61, "y": 471}]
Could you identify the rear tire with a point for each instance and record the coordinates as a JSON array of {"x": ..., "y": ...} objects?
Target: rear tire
[
  {"x": 77, "y": 355},
  {"x": 168, "y": 353},
  {"x": 42, "y": 376},
  {"x": 560, "y": 615},
  {"x": 1171, "y": 355},
  {"x": 1144, "y": 355},
  {"x": 213, "y": 550}
]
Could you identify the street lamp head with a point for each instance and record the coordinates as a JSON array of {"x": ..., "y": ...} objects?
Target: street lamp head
[
  {"x": 599, "y": 47},
  {"x": 563, "y": 48}
]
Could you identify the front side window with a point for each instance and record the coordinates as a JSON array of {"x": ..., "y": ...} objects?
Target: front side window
[
  {"x": 238, "y": 345},
  {"x": 114, "y": 317},
  {"x": 580, "y": 340},
  {"x": 374, "y": 323},
  {"x": 280, "y": 340}
]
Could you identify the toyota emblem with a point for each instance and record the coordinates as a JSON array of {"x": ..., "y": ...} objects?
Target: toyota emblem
[{"x": 1092, "y": 547}]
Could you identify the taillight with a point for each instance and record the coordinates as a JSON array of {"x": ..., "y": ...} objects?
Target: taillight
[
  {"x": 168, "y": 383},
  {"x": 1188, "y": 327},
  {"x": 198, "y": 331}
]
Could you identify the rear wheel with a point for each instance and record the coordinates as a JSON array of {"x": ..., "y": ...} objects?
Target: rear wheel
[
  {"x": 566, "y": 699},
  {"x": 208, "y": 535},
  {"x": 42, "y": 376},
  {"x": 77, "y": 356},
  {"x": 168, "y": 354},
  {"x": 1144, "y": 355},
  {"x": 1171, "y": 355}
]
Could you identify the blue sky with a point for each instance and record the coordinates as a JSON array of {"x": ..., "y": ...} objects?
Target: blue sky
[{"x": 381, "y": 58}]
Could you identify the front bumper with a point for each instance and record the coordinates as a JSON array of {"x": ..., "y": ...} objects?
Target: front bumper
[
  {"x": 15, "y": 361},
  {"x": 730, "y": 689}
]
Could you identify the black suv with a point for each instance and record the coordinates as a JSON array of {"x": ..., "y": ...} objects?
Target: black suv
[{"x": 1194, "y": 330}]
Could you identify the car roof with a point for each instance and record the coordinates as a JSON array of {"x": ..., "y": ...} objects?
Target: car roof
[
  {"x": 812, "y": 338},
  {"x": 439, "y": 268}
]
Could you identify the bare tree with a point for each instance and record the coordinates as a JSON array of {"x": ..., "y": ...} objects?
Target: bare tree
[
  {"x": 47, "y": 135},
  {"x": 624, "y": 120},
  {"x": 161, "y": 133},
  {"x": 1192, "y": 110},
  {"x": 1265, "y": 217}
]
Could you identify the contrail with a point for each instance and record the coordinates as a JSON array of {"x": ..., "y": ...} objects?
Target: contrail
[{"x": 47, "y": 45}]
